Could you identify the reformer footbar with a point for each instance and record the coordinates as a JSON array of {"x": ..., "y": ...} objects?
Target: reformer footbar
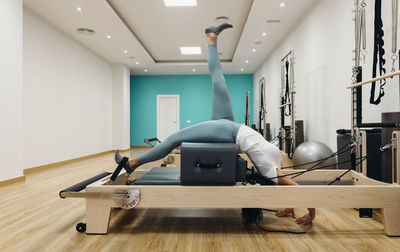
[{"x": 119, "y": 168}]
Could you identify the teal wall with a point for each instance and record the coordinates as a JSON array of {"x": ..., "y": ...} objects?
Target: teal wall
[{"x": 194, "y": 100}]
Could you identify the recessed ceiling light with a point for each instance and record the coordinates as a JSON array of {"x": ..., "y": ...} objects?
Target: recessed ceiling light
[
  {"x": 180, "y": 2},
  {"x": 137, "y": 62},
  {"x": 264, "y": 34},
  {"x": 78, "y": 9},
  {"x": 273, "y": 21},
  {"x": 282, "y": 4},
  {"x": 85, "y": 31},
  {"x": 125, "y": 51},
  {"x": 222, "y": 18},
  {"x": 242, "y": 69},
  {"x": 145, "y": 70},
  {"x": 190, "y": 50},
  {"x": 247, "y": 61},
  {"x": 108, "y": 36},
  {"x": 193, "y": 70},
  {"x": 254, "y": 50}
]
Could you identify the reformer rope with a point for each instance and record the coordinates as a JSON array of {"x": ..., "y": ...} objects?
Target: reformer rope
[
  {"x": 317, "y": 168},
  {"x": 382, "y": 149},
  {"x": 322, "y": 159},
  {"x": 334, "y": 154}
]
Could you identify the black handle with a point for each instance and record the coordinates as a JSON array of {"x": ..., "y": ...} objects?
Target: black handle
[
  {"x": 208, "y": 166},
  {"x": 149, "y": 140},
  {"x": 82, "y": 185}
]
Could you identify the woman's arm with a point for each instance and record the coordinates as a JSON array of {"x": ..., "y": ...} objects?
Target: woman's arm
[{"x": 306, "y": 219}]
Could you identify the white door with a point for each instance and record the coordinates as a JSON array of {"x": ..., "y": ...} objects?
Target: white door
[{"x": 167, "y": 115}]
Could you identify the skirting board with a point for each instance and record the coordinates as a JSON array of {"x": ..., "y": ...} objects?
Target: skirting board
[
  {"x": 12, "y": 181},
  {"x": 141, "y": 147},
  {"x": 45, "y": 167}
]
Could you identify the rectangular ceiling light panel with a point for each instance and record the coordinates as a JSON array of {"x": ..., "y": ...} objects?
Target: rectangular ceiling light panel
[
  {"x": 190, "y": 50},
  {"x": 180, "y": 2}
]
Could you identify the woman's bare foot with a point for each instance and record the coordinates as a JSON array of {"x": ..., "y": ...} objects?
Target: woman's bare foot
[
  {"x": 212, "y": 38},
  {"x": 133, "y": 163},
  {"x": 130, "y": 165},
  {"x": 213, "y": 31}
]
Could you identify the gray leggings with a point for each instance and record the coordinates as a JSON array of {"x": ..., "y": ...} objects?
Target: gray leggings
[{"x": 221, "y": 128}]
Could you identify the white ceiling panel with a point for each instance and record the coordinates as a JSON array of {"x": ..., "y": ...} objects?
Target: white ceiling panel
[
  {"x": 162, "y": 30},
  {"x": 152, "y": 33}
]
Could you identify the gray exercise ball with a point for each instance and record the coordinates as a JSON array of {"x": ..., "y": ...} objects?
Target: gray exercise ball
[{"x": 312, "y": 151}]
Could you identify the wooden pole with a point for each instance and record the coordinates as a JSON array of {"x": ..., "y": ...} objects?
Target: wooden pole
[
  {"x": 374, "y": 79},
  {"x": 284, "y": 105}
]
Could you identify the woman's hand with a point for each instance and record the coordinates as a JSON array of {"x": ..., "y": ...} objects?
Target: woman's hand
[
  {"x": 306, "y": 219},
  {"x": 286, "y": 212}
]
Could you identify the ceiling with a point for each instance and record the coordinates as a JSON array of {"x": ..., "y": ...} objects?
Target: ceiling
[{"x": 146, "y": 35}]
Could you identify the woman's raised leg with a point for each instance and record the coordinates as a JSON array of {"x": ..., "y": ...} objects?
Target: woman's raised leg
[{"x": 221, "y": 102}]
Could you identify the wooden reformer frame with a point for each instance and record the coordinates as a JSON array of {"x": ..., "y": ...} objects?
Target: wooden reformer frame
[{"x": 364, "y": 192}]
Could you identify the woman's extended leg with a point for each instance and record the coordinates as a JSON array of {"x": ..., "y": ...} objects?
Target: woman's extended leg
[
  {"x": 221, "y": 102},
  {"x": 209, "y": 131}
]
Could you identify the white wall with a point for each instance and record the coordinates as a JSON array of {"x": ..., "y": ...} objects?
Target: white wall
[
  {"x": 10, "y": 89},
  {"x": 323, "y": 42},
  {"x": 121, "y": 107},
  {"x": 67, "y": 96}
]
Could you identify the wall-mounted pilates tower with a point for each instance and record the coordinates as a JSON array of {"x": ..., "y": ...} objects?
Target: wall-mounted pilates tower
[
  {"x": 287, "y": 135},
  {"x": 358, "y": 133}
]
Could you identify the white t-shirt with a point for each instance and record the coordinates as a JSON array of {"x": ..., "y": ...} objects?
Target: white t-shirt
[{"x": 265, "y": 156}]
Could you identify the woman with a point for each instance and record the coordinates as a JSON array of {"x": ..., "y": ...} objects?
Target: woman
[{"x": 222, "y": 129}]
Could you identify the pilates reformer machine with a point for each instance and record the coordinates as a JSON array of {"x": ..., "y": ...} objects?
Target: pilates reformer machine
[
  {"x": 212, "y": 175},
  {"x": 287, "y": 134}
]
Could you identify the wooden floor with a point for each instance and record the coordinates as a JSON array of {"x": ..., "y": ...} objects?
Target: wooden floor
[{"x": 34, "y": 218}]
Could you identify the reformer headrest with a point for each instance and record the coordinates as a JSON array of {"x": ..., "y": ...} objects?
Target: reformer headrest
[{"x": 208, "y": 163}]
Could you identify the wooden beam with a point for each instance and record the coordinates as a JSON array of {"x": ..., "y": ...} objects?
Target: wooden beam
[{"x": 263, "y": 196}]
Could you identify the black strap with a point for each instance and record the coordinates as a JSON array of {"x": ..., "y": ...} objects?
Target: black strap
[
  {"x": 379, "y": 52},
  {"x": 119, "y": 168},
  {"x": 287, "y": 97}
]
